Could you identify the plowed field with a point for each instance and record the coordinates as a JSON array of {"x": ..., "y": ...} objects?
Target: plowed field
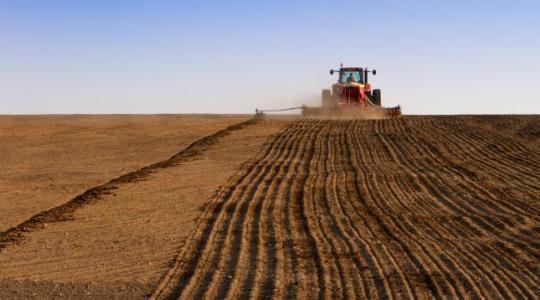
[
  {"x": 417, "y": 207},
  {"x": 420, "y": 207}
]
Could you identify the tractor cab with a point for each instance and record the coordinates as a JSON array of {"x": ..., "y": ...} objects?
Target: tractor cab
[
  {"x": 351, "y": 75},
  {"x": 357, "y": 75}
]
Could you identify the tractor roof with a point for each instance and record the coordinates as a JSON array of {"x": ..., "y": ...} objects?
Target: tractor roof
[{"x": 350, "y": 69}]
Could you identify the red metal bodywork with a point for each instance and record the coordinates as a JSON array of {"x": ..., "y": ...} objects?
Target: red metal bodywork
[
  {"x": 352, "y": 97},
  {"x": 350, "y": 94}
]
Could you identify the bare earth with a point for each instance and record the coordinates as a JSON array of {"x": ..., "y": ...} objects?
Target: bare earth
[
  {"x": 122, "y": 244},
  {"x": 418, "y": 207},
  {"x": 46, "y": 160}
]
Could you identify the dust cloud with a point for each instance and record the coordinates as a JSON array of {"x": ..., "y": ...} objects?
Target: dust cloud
[{"x": 336, "y": 113}]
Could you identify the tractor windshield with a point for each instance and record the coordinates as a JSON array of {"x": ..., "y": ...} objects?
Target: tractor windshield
[{"x": 351, "y": 76}]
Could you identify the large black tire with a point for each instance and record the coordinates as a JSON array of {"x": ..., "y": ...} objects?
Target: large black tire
[
  {"x": 376, "y": 97},
  {"x": 326, "y": 97}
]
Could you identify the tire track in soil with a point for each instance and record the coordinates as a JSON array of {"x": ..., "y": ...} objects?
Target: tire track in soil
[
  {"x": 65, "y": 211},
  {"x": 368, "y": 209}
]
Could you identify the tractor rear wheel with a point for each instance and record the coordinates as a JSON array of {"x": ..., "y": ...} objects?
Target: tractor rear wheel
[
  {"x": 326, "y": 97},
  {"x": 376, "y": 97}
]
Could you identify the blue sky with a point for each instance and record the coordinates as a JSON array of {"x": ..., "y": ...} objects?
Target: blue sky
[{"x": 432, "y": 57}]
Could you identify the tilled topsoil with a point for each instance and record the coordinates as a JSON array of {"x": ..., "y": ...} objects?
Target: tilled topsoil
[
  {"x": 418, "y": 207},
  {"x": 116, "y": 240}
]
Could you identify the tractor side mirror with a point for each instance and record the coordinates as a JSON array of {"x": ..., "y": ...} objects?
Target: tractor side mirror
[
  {"x": 331, "y": 72},
  {"x": 374, "y": 72}
]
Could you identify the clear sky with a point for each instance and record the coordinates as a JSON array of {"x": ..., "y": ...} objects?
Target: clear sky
[{"x": 432, "y": 57}]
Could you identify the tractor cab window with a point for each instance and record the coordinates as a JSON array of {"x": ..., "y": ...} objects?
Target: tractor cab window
[{"x": 351, "y": 76}]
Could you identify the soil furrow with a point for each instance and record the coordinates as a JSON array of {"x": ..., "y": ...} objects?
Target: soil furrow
[
  {"x": 408, "y": 286},
  {"x": 187, "y": 260},
  {"x": 339, "y": 236},
  {"x": 261, "y": 251},
  {"x": 448, "y": 260},
  {"x": 230, "y": 221},
  {"x": 384, "y": 209},
  {"x": 473, "y": 206},
  {"x": 472, "y": 215}
]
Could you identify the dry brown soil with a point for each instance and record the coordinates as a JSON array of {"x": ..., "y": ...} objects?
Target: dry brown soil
[
  {"x": 522, "y": 127},
  {"x": 418, "y": 207},
  {"x": 46, "y": 160},
  {"x": 124, "y": 242}
]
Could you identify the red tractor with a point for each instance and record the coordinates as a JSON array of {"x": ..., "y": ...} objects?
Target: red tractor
[{"x": 352, "y": 96}]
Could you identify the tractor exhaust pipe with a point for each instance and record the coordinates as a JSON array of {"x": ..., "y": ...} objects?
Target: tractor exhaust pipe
[{"x": 366, "y": 72}]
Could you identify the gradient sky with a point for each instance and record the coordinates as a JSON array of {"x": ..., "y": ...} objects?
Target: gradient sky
[{"x": 432, "y": 57}]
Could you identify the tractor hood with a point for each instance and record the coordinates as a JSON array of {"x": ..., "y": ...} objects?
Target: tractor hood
[{"x": 353, "y": 84}]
